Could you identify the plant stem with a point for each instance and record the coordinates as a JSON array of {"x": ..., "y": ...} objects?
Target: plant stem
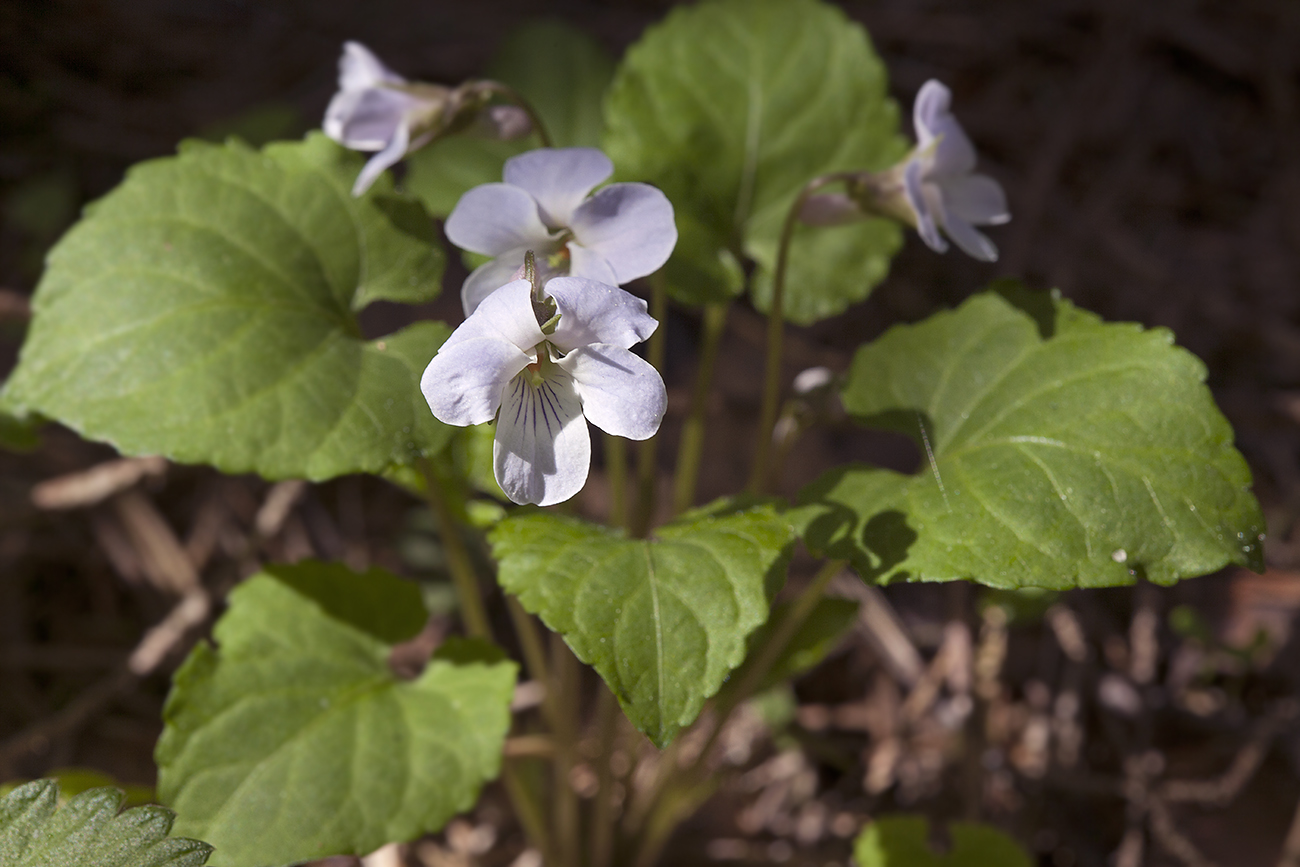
[
  {"x": 515, "y": 97},
  {"x": 643, "y": 514},
  {"x": 616, "y": 470},
  {"x": 568, "y": 698},
  {"x": 530, "y": 643},
  {"x": 692, "y": 442},
  {"x": 675, "y": 798},
  {"x": 465, "y": 580},
  {"x": 463, "y": 575},
  {"x": 776, "y": 331},
  {"x": 602, "y": 825}
]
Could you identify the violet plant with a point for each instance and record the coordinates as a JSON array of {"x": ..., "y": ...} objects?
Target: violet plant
[{"x": 206, "y": 311}]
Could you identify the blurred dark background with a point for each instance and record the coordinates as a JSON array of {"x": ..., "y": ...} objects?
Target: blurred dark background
[{"x": 1151, "y": 155}]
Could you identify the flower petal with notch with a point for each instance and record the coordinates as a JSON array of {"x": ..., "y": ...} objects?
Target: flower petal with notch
[
  {"x": 622, "y": 232},
  {"x": 543, "y": 388}
]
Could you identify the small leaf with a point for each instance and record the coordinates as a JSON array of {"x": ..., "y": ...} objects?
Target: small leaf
[
  {"x": 17, "y": 433},
  {"x": 563, "y": 73},
  {"x": 88, "y": 830},
  {"x": 731, "y": 106},
  {"x": 1057, "y": 451},
  {"x": 204, "y": 310},
  {"x": 663, "y": 621},
  {"x": 294, "y": 740},
  {"x": 903, "y": 841}
]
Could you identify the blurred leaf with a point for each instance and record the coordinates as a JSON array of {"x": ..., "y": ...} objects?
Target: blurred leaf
[
  {"x": 1066, "y": 452},
  {"x": 561, "y": 71},
  {"x": 663, "y": 621},
  {"x": 204, "y": 310},
  {"x": 43, "y": 205},
  {"x": 18, "y": 434},
  {"x": 87, "y": 831},
  {"x": 731, "y": 106},
  {"x": 258, "y": 125},
  {"x": 903, "y": 841},
  {"x": 817, "y": 636},
  {"x": 294, "y": 740}
]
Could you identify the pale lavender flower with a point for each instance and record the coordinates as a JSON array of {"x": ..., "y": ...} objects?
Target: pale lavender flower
[
  {"x": 940, "y": 183},
  {"x": 935, "y": 188},
  {"x": 543, "y": 365},
  {"x": 622, "y": 232},
  {"x": 376, "y": 109}
]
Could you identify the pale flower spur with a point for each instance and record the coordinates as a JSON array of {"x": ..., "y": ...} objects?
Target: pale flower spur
[
  {"x": 543, "y": 364},
  {"x": 622, "y": 232}
]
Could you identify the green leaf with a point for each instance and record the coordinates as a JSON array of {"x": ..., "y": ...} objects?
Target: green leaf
[
  {"x": 87, "y": 830},
  {"x": 663, "y": 621},
  {"x": 1066, "y": 452},
  {"x": 731, "y": 106},
  {"x": 561, "y": 71},
  {"x": 204, "y": 310},
  {"x": 74, "y": 781},
  {"x": 17, "y": 433},
  {"x": 903, "y": 841},
  {"x": 294, "y": 740}
]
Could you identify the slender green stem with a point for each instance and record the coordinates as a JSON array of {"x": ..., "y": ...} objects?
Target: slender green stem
[
  {"x": 776, "y": 332},
  {"x": 528, "y": 811},
  {"x": 616, "y": 471},
  {"x": 602, "y": 825},
  {"x": 465, "y": 580},
  {"x": 568, "y": 697},
  {"x": 692, "y": 443},
  {"x": 643, "y": 514},
  {"x": 530, "y": 643},
  {"x": 676, "y": 797},
  {"x": 516, "y": 98},
  {"x": 463, "y": 575}
]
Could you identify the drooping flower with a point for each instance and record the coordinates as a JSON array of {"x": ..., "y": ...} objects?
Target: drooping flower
[
  {"x": 376, "y": 109},
  {"x": 935, "y": 188},
  {"x": 622, "y": 232},
  {"x": 544, "y": 363}
]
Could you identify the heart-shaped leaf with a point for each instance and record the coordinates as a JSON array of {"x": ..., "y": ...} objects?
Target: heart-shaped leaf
[
  {"x": 1057, "y": 451},
  {"x": 731, "y": 106},
  {"x": 205, "y": 310},
  {"x": 294, "y": 739},
  {"x": 663, "y": 621}
]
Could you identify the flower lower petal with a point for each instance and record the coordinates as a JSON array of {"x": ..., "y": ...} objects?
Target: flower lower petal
[
  {"x": 630, "y": 225},
  {"x": 366, "y": 120},
  {"x": 621, "y": 393},
  {"x": 977, "y": 199},
  {"x": 972, "y": 242},
  {"x": 558, "y": 178},
  {"x": 389, "y": 156},
  {"x": 463, "y": 383},
  {"x": 915, "y": 194},
  {"x": 542, "y": 450},
  {"x": 592, "y": 312},
  {"x": 495, "y": 218}
]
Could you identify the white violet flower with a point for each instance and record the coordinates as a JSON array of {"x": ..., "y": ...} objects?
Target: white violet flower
[
  {"x": 544, "y": 363},
  {"x": 376, "y": 109},
  {"x": 622, "y": 232},
  {"x": 940, "y": 183},
  {"x": 934, "y": 188}
]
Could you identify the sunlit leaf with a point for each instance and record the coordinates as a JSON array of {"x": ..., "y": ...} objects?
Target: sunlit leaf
[
  {"x": 293, "y": 739},
  {"x": 904, "y": 841},
  {"x": 1057, "y": 451},
  {"x": 205, "y": 310},
  {"x": 664, "y": 620}
]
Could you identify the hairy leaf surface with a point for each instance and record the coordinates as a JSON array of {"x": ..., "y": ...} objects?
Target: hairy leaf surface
[
  {"x": 205, "y": 310},
  {"x": 1057, "y": 451},
  {"x": 88, "y": 830},
  {"x": 662, "y": 620},
  {"x": 731, "y": 106},
  {"x": 294, "y": 740}
]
